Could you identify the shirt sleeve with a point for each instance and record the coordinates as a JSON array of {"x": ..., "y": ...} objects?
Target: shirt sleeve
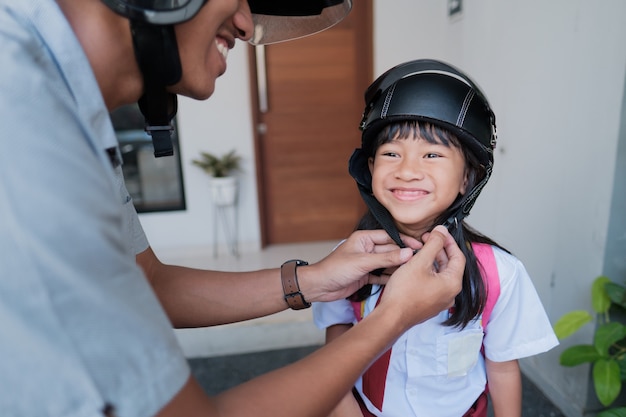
[
  {"x": 81, "y": 327},
  {"x": 519, "y": 326},
  {"x": 137, "y": 241},
  {"x": 328, "y": 314},
  {"x": 333, "y": 312}
]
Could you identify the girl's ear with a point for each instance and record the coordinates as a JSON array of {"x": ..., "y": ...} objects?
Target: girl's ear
[{"x": 370, "y": 163}]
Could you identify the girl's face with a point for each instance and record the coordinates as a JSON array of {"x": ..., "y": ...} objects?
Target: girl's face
[{"x": 417, "y": 181}]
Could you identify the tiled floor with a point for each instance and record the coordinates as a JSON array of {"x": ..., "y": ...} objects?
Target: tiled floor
[
  {"x": 286, "y": 329},
  {"x": 219, "y": 373},
  {"x": 269, "y": 257}
]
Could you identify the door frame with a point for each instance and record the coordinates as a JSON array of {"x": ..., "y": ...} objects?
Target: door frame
[{"x": 365, "y": 64}]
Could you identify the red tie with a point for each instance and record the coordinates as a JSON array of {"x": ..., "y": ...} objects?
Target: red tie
[
  {"x": 374, "y": 380},
  {"x": 375, "y": 377}
]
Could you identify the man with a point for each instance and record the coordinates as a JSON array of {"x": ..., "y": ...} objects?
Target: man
[{"x": 83, "y": 333}]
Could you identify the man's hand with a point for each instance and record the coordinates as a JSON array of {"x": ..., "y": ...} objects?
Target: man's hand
[
  {"x": 348, "y": 267},
  {"x": 429, "y": 282}
]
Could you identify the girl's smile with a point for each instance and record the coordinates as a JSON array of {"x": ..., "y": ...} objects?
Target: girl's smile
[
  {"x": 417, "y": 180},
  {"x": 408, "y": 194}
]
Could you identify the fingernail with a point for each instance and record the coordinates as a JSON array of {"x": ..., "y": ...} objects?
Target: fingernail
[{"x": 406, "y": 254}]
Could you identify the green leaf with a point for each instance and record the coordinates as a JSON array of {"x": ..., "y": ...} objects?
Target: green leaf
[
  {"x": 218, "y": 166},
  {"x": 579, "y": 354},
  {"x": 614, "y": 412},
  {"x": 616, "y": 292},
  {"x": 607, "y": 334},
  {"x": 606, "y": 380},
  {"x": 570, "y": 322},
  {"x": 600, "y": 301},
  {"x": 621, "y": 360}
]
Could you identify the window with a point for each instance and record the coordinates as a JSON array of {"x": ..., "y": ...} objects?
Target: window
[{"x": 155, "y": 184}]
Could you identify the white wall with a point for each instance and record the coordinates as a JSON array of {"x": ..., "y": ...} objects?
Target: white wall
[
  {"x": 554, "y": 73},
  {"x": 216, "y": 125}
]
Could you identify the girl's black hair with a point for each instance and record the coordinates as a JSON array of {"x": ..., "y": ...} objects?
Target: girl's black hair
[{"x": 470, "y": 302}]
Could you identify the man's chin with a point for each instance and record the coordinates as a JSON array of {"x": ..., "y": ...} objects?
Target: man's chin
[{"x": 198, "y": 94}]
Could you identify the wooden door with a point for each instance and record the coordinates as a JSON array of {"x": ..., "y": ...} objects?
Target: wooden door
[{"x": 305, "y": 137}]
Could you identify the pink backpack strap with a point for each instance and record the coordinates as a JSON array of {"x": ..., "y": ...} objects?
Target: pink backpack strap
[
  {"x": 489, "y": 271},
  {"x": 491, "y": 278}
]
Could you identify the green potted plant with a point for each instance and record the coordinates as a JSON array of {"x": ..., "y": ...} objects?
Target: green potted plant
[
  {"x": 221, "y": 169},
  {"x": 607, "y": 354},
  {"x": 219, "y": 166}
]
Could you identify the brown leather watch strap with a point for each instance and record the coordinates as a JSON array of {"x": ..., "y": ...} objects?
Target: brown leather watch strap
[{"x": 294, "y": 298}]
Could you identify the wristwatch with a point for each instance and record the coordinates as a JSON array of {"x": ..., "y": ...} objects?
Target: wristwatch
[{"x": 294, "y": 298}]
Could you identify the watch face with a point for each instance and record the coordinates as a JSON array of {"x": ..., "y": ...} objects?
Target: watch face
[{"x": 297, "y": 261}]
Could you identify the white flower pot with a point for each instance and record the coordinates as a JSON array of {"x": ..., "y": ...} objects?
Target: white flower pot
[{"x": 224, "y": 190}]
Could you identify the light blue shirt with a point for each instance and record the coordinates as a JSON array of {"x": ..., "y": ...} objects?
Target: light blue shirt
[{"x": 79, "y": 325}]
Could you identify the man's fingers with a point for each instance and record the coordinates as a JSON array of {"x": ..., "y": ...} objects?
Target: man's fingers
[
  {"x": 393, "y": 247},
  {"x": 381, "y": 279},
  {"x": 419, "y": 288},
  {"x": 380, "y": 248},
  {"x": 434, "y": 245},
  {"x": 453, "y": 253},
  {"x": 441, "y": 247},
  {"x": 383, "y": 242},
  {"x": 391, "y": 259}
]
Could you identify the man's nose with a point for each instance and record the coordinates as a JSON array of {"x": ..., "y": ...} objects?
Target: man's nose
[{"x": 243, "y": 21}]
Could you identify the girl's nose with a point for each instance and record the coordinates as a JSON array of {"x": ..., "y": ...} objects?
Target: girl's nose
[{"x": 410, "y": 169}]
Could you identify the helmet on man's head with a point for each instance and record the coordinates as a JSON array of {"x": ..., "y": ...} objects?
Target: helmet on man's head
[
  {"x": 154, "y": 40},
  {"x": 433, "y": 92},
  {"x": 274, "y": 20},
  {"x": 280, "y": 20}
]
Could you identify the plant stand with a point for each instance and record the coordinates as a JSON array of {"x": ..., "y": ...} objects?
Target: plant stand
[{"x": 224, "y": 197}]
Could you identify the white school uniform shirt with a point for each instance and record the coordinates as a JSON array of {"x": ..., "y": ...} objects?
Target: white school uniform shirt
[{"x": 438, "y": 371}]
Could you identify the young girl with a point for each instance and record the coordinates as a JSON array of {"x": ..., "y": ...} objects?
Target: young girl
[{"x": 427, "y": 152}]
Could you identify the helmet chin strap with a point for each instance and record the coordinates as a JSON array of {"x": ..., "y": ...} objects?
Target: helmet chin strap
[
  {"x": 159, "y": 108},
  {"x": 357, "y": 167},
  {"x": 462, "y": 208},
  {"x": 156, "y": 52},
  {"x": 382, "y": 215}
]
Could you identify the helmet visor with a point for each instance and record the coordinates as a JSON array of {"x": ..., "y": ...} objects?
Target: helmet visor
[{"x": 281, "y": 20}]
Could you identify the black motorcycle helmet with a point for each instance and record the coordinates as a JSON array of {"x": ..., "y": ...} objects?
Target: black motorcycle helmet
[
  {"x": 154, "y": 40},
  {"x": 434, "y": 92}
]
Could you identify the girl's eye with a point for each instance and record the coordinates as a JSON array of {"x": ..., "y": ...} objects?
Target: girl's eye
[
  {"x": 389, "y": 153},
  {"x": 432, "y": 155}
]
